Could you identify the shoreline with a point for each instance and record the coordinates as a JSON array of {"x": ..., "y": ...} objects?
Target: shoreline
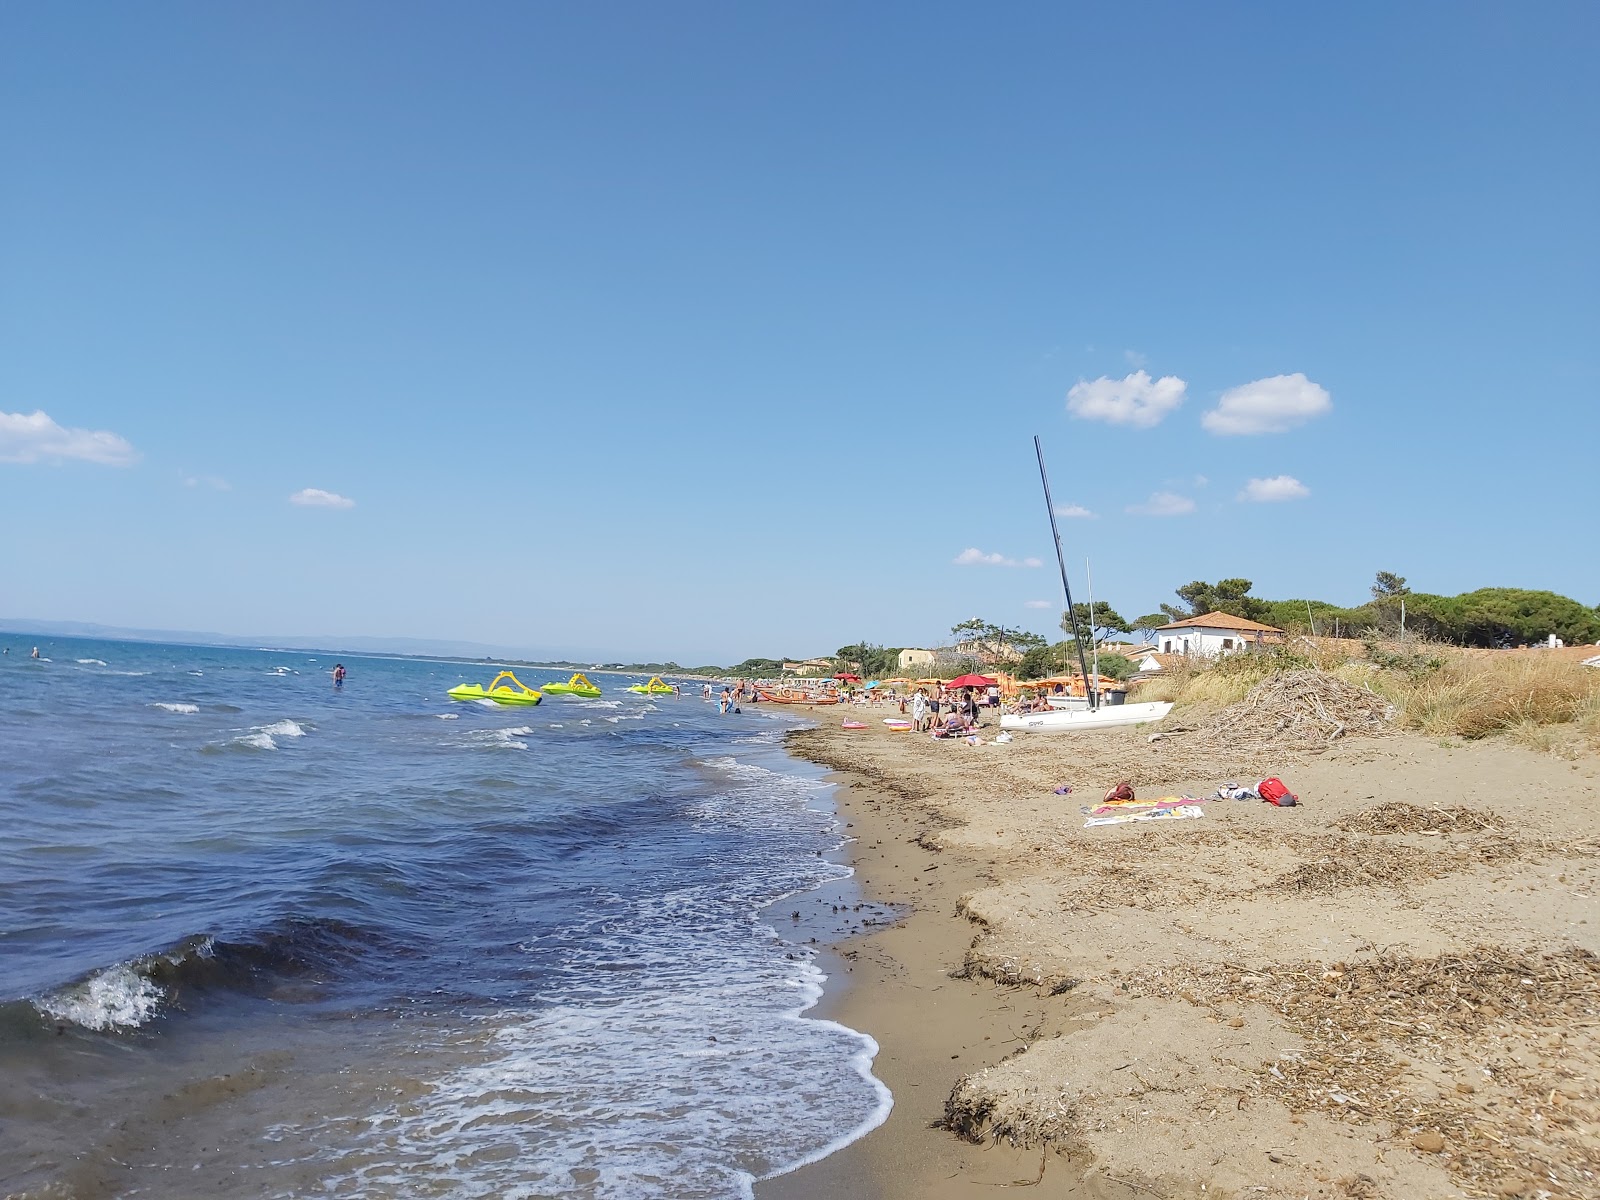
[{"x": 1078, "y": 991}]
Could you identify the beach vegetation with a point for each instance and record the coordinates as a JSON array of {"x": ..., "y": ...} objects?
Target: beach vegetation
[
  {"x": 1231, "y": 596},
  {"x": 1148, "y": 624},
  {"x": 1543, "y": 700},
  {"x": 1100, "y": 621},
  {"x": 868, "y": 660},
  {"x": 1487, "y": 618}
]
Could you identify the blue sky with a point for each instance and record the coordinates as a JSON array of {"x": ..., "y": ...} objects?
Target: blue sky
[{"x": 701, "y": 331}]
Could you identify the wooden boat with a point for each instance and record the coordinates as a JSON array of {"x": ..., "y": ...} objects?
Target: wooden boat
[{"x": 790, "y": 696}]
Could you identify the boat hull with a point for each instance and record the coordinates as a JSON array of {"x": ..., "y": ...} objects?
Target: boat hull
[
  {"x": 500, "y": 695},
  {"x": 1071, "y": 720}
]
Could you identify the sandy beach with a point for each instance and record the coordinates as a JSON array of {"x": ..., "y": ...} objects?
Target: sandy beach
[{"x": 1387, "y": 991}]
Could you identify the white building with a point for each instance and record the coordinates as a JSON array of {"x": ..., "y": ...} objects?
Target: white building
[
  {"x": 915, "y": 658},
  {"x": 1213, "y": 634}
]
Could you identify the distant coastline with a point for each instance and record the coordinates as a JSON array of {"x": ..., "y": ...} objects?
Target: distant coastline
[{"x": 424, "y": 649}]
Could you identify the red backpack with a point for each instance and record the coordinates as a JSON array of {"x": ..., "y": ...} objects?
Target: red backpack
[{"x": 1273, "y": 791}]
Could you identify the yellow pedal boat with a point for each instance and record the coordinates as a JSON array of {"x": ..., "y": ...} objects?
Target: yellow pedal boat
[
  {"x": 578, "y": 685},
  {"x": 496, "y": 691},
  {"x": 654, "y": 688}
]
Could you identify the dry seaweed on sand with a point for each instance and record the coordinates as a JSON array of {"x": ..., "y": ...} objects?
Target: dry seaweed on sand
[
  {"x": 1486, "y": 1057},
  {"x": 977, "y": 1113},
  {"x": 1298, "y": 710},
  {"x": 1399, "y": 816}
]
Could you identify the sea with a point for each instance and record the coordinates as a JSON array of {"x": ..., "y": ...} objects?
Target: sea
[{"x": 261, "y": 936}]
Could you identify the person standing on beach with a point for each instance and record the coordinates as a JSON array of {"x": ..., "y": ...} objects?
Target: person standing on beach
[{"x": 919, "y": 711}]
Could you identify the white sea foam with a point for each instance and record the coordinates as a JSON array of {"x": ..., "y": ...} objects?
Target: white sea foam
[
  {"x": 692, "y": 1091},
  {"x": 176, "y": 708},
  {"x": 600, "y": 704},
  {"x": 91, "y": 662},
  {"x": 501, "y": 739},
  {"x": 754, "y": 774},
  {"x": 116, "y": 998},
  {"x": 260, "y": 741},
  {"x": 285, "y": 728},
  {"x": 449, "y": 716}
]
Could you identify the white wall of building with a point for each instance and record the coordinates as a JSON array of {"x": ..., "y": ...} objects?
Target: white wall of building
[{"x": 1200, "y": 642}]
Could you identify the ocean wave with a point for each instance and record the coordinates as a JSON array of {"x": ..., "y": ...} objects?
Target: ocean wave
[
  {"x": 114, "y": 999},
  {"x": 501, "y": 739},
  {"x": 751, "y": 773},
  {"x": 91, "y": 662},
  {"x": 257, "y": 741},
  {"x": 449, "y": 716},
  {"x": 698, "y": 1097},
  {"x": 284, "y": 728},
  {"x": 600, "y": 704},
  {"x": 131, "y": 994},
  {"x": 176, "y": 707}
]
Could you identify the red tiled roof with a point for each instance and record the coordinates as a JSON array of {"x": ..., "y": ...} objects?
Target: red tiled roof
[{"x": 1221, "y": 620}]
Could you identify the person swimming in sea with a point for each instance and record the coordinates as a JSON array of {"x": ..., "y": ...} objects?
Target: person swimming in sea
[{"x": 338, "y": 675}]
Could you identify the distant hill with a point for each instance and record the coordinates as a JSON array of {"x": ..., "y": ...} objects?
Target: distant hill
[{"x": 422, "y": 647}]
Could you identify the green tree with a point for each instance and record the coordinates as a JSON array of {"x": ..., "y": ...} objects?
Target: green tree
[
  {"x": 870, "y": 660},
  {"x": 1230, "y": 596},
  {"x": 1148, "y": 624},
  {"x": 994, "y": 637},
  {"x": 1388, "y": 585},
  {"x": 1099, "y": 623}
]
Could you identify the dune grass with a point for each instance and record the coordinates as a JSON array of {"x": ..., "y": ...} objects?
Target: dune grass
[{"x": 1541, "y": 700}]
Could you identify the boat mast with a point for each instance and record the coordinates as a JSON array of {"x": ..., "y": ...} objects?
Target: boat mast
[
  {"x": 1091, "y": 694},
  {"x": 1088, "y": 574}
]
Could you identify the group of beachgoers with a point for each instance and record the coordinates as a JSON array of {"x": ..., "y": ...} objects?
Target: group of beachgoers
[{"x": 732, "y": 696}]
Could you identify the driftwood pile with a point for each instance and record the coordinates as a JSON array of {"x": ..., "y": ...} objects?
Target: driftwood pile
[{"x": 1298, "y": 710}]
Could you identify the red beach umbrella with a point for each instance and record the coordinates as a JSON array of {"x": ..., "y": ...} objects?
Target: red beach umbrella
[
  {"x": 962, "y": 681},
  {"x": 847, "y": 677}
]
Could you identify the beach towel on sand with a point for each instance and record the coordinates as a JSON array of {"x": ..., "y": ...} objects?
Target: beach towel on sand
[{"x": 1183, "y": 812}]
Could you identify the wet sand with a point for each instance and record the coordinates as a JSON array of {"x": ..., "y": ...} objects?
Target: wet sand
[{"x": 1390, "y": 990}]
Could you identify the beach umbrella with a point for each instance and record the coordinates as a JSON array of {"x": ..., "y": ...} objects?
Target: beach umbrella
[
  {"x": 871, "y": 685},
  {"x": 962, "y": 681},
  {"x": 847, "y": 677}
]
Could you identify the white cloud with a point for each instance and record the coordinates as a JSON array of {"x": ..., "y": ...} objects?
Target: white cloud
[
  {"x": 1163, "y": 504},
  {"x": 1135, "y": 360},
  {"x": 214, "y": 482},
  {"x": 1072, "y": 510},
  {"x": 1268, "y": 406},
  {"x": 1136, "y": 400},
  {"x": 1038, "y": 604},
  {"x": 317, "y": 498},
  {"x": 28, "y": 438},
  {"x": 973, "y": 557},
  {"x": 1279, "y": 487}
]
